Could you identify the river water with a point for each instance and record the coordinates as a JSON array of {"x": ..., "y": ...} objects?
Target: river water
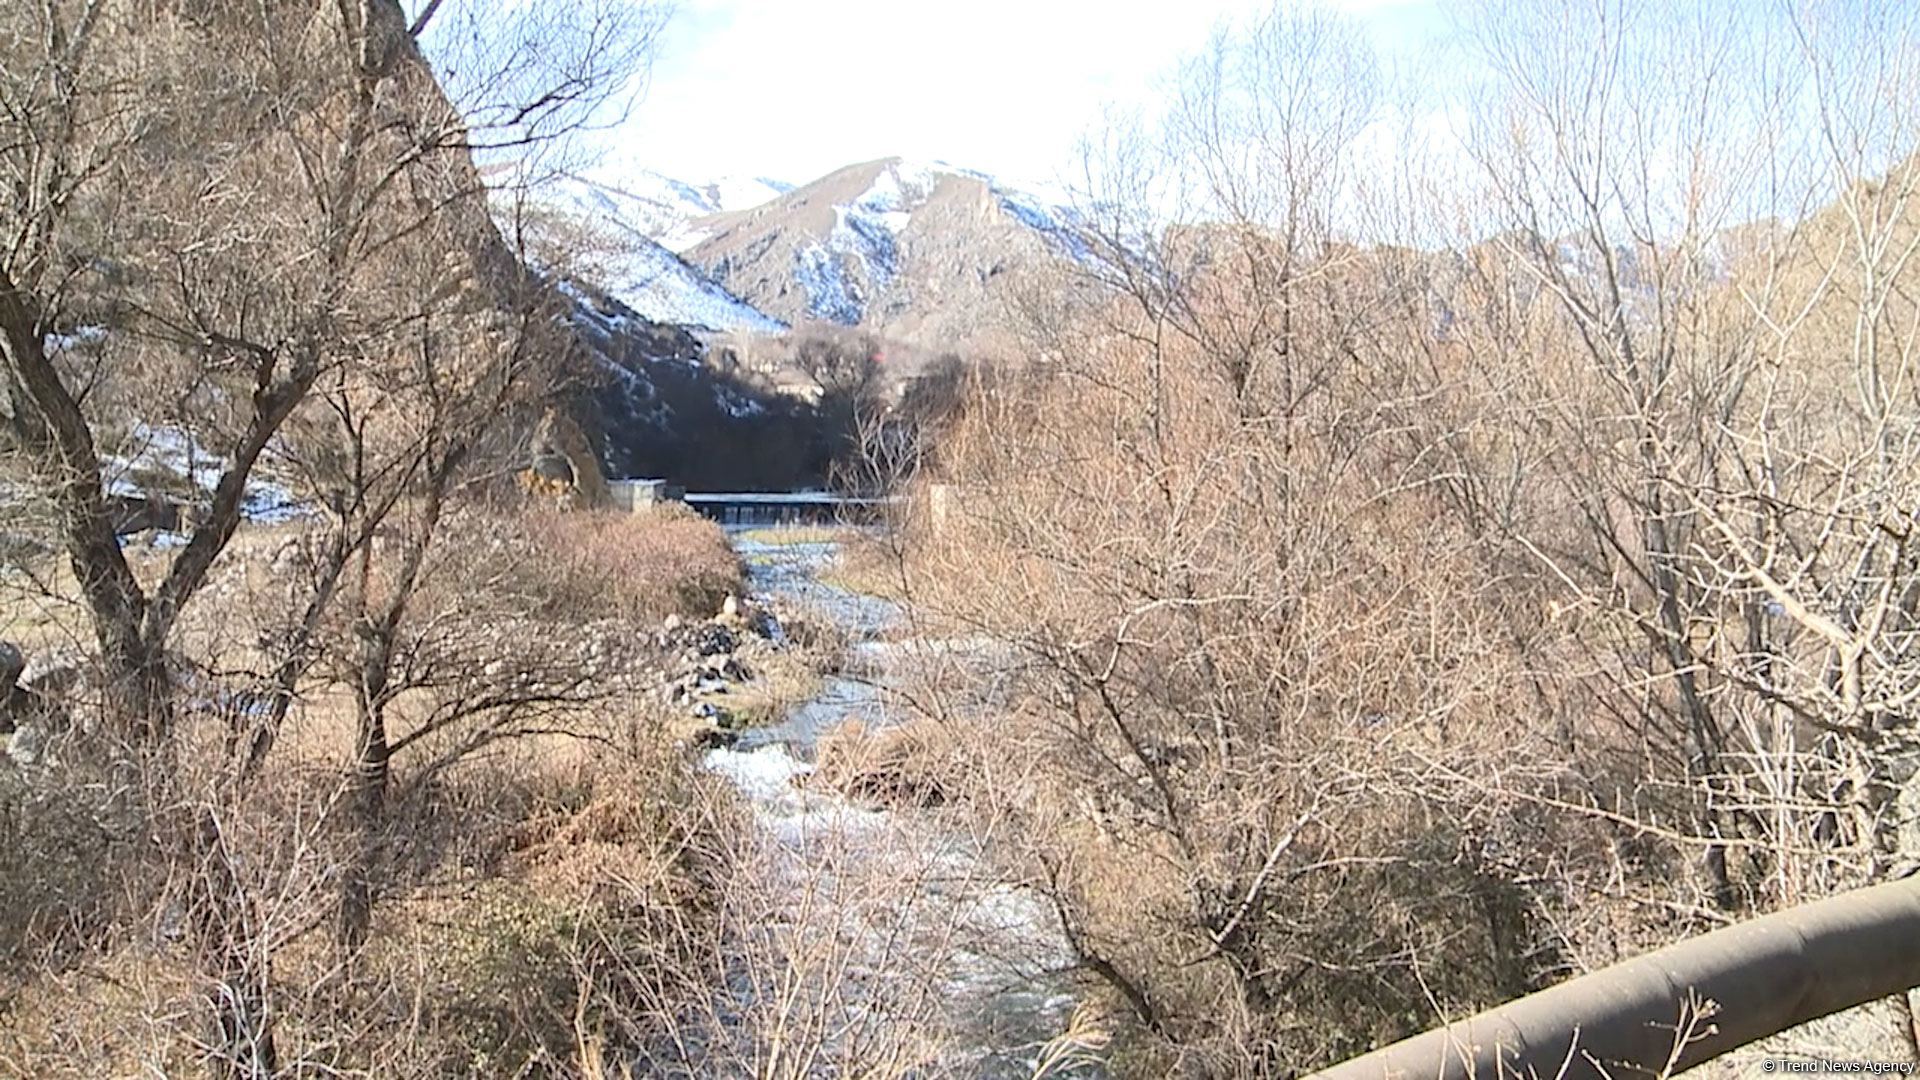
[{"x": 882, "y": 934}]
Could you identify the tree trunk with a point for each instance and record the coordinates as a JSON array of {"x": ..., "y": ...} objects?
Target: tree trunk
[
  {"x": 44, "y": 416},
  {"x": 368, "y": 799},
  {"x": 226, "y": 931}
]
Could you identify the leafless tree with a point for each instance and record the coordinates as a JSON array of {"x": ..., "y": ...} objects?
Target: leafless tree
[
  {"x": 1590, "y": 432},
  {"x": 235, "y": 226}
]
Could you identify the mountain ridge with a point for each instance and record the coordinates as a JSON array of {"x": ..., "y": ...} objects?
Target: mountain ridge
[
  {"x": 909, "y": 249},
  {"x": 906, "y": 248}
]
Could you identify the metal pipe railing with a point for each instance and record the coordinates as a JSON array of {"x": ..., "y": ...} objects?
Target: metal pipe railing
[{"x": 1761, "y": 977}]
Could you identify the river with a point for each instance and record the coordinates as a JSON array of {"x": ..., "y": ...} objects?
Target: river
[{"x": 882, "y": 942}]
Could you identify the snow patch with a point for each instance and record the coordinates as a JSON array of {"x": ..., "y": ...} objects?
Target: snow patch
[
  {"x": 153, "y": 450},
  {"x": 861, "y": 255},
  {"x": 831, "y": 294},
  {"x": 81, "y": 336}
]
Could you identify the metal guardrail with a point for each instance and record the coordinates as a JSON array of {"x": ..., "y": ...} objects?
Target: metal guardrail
[
  {"x": 782, "y": 498},
  {"x": 1634, "y": 1019},
  {"x": 778, "y": 508}
]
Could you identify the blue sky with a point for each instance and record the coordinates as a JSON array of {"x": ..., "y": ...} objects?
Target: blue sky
[{"x": 791, "y": 89}]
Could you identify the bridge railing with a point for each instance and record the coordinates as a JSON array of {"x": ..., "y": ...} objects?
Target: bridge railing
[{"x": 786, "y": 508}]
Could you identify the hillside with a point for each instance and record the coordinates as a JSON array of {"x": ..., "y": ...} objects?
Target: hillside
[
  {"x": 619, "y": 239},
  {"x": 692, "y": 372},
  {"x": 653, "y": 404},
  {"x": 924, "y": 253},
  {"x": 665, "y": 208}
]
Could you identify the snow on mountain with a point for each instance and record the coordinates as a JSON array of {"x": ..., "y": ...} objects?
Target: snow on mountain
[
  {"x": 895, "y": 244},
  {"x": 639, "y": 270},
  {"x": 655, "y": 283},
  {"x": 910, "y": 248},
  {"x": 665, "y": 209},
  {"x": 867, "y": 232}
]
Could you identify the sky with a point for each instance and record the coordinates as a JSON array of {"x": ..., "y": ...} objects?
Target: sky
[{"x": 793, "y": 89}]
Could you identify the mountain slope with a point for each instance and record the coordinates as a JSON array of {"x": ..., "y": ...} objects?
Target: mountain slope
[
  {"x": 665, "y": 209},
  {"x": 914, "y": 251},
  {"x": 619, "y": 229},
  {"x": 653, "y": 406}
]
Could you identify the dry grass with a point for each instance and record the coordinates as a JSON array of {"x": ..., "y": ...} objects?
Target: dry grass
[
  {"x": 781, "y": 680},
  {"x": 545, "y": 904},
  {"x": 905, "y": 765},
  {"x": 547, "y": 898},
  {"x": 632, "y": 566},
  {"x": 40, "y": 604},
  {"x": 866, "y": 564},
  {"x": 576, "y": 862}
]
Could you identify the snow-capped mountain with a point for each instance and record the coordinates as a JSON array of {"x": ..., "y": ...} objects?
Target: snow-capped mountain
[
  {"x": 924, "y": 252},
  {"x": 915, "y": 250},
  {"x": 628, "y": 258},
  {"x": 665, "y": 209}
]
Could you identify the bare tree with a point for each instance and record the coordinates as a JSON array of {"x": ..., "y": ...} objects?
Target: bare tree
[
  {"x": 245, "y": 247},
  {"x": 1597, "y": 442}
]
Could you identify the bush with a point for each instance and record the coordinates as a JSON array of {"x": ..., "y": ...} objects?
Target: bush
[
  {"x": 631, "y": 566},
  {"x": 582, "y": 928},
  {"x": 903, "y": 765}
]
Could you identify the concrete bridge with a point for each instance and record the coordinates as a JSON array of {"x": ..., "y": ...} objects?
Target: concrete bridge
[
  {"x": 785, "y": 507},
  {"x": 749, "y": 507}
]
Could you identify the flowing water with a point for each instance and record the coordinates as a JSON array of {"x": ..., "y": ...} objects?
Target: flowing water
[{"x": 891, "y": 917}]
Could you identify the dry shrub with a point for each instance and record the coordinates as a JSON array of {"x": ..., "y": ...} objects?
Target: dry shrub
[
  {"x": 84, "y": 989},
  {"x": 897, "y": 765},
  {"x": 574, "y": 915},
  {"x": 866, "y": 564},
  {"x": 816, "y": 635},
  {"x": 554, "y": 894},
  {"x": 1265, "y": 691},
  {"x": 68, "y": 836},
  {"x": 631, "y": 566},
  {"x": 123, "y": 1014}
]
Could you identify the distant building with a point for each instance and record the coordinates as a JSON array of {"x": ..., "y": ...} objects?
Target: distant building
[{"x": 640, "y": 496}]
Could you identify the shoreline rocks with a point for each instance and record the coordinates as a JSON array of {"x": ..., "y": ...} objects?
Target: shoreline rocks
[{"x": 709, "y": 659}]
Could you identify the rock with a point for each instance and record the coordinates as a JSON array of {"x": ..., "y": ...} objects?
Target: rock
[
  {"x": 715, "y": 738},
  {"x": 27, "y": 745},
  {"x": 141, "y": 513},
  {"x": 562, "y": 462},
  {"x": 730, "y": 608},
  {"x": 22, "y": 709},
  {"x": 716, "y": 639},
  {"x": 768, "y": 626},
  {"x": 54, "y": 675},
  {"x": 12, "y": 663},
  {"x": 698, "y": 639},
  {"x": 672, "y": 623}
]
